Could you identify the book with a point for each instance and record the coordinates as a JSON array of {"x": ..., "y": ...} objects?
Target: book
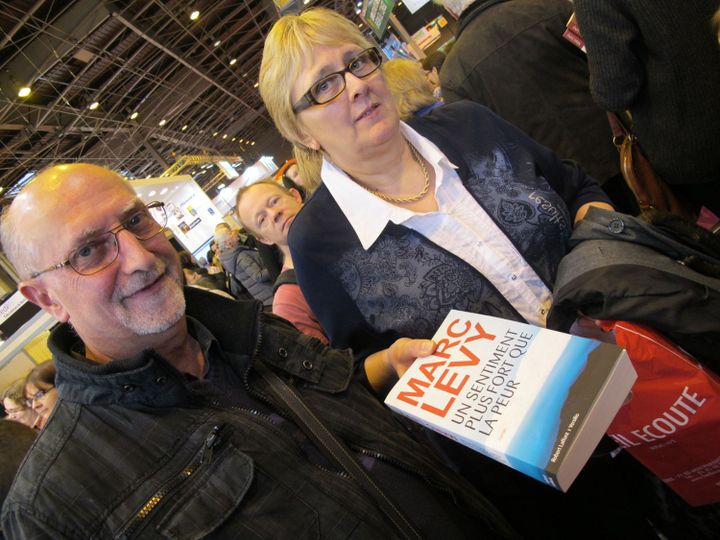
[
  {"x": 573, "y": 35},
  {"x": 534, "y": 399}
]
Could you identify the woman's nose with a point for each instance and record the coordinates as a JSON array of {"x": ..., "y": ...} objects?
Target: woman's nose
[{"x": 355, "y": 86}]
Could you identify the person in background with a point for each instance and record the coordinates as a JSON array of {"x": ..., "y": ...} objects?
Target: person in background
[
  {"x": 244, "y": 266},
  {"x": 213, "y": 259},
  {"x": 16, "y": 438},
  {"x": 196, "y": 276},
  {"x": 432, "y": 64},
  {"x": 410, "y": 87},
  {"x": 13, "y": 398},
  {"x": 267, "y": 209},
  {"x": 41, "y": 393},
  {"x": 660, "y": 60},
  {"x": 511, "y": 57}
]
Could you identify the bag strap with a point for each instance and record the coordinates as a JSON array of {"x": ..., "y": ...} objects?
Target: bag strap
[
  {"x": 620, "y": 128},
  {"x": 334, "y": 449}
]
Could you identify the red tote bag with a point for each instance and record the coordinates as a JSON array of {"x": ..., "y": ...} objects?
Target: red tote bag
[{"x": 671, "y": 420}]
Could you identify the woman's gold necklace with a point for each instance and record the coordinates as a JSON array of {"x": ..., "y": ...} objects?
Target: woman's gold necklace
[{"x": 407, "y": 200}]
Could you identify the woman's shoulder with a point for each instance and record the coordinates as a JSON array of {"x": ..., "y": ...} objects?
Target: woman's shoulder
[
  {"x": 319, "y": 216},
  {"x": 453, "y": 120},
  {"x": 452, "y": 113}
]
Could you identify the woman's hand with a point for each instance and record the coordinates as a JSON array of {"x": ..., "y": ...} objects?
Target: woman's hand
[{"x": 384, "y": 367}]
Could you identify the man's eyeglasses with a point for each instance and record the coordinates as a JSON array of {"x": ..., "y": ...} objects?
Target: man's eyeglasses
[
  {"x": 101, "y": 251},
  {"x": 331, "y": 86},
  {"x": 37, "y": 395}
]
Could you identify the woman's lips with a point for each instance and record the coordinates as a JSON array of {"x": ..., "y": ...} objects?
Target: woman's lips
[{"x": 369, "y": 112}]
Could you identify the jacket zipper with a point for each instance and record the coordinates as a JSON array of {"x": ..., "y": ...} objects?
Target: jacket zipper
[
  {"x": 201, "y": 458},
  {"x": 401, "y": 465}
]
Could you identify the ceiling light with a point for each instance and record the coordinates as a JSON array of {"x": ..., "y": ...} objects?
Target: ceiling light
[
  {"x": 306, "y": 2},
  {"x": 134, "y": 115},
  {"x": 162, "y": 122},
  {"x": 152, "y": 193},
  {"x": 217, "y": 43},
  {"x": 256, "y": 85},
  {"x": 225, "y": 136},
  {"x": 252, "y": 143},
  {"x": 232, "y": 62},
  {"x": 94, "y": 105},
  {"x": 233, "y": 139},
  {"x": 184, "y": 127},
  {"x": 221, "y": 186},
  {"x": 241, "y": 140},
  {"x": 163, "y": 191},
  {"x": 24, "y": 91},
  {"x": 360, "y": 25},
  {"x": 215, "y": 134},
  {"x": 194, "y": 15}
]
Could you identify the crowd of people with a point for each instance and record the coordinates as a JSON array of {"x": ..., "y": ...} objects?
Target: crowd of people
[
  {"x": 31, "y": 400},
  {"x": 172, "y": 409}
]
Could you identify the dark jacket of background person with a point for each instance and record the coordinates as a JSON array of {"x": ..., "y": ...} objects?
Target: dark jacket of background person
[
  {"x": 15, "y": 440},
  {"x": 661, "y": 60},
  {"x": 244, "y": 264},
  {"x": 511, "y": 57},
  {"x": 126, "y": 430},
  {"x": 404, "y": 285}
]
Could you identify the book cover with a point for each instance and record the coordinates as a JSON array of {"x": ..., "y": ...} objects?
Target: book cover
[
  {"x": 573, "y": 35},
  {"x": 534, "y": 399}
]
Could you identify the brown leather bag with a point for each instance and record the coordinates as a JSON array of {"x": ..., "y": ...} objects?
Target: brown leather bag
[{"x": 650, "y": 191}]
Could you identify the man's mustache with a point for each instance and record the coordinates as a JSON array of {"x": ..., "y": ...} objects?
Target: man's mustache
[{"x": 141, "y": 279}]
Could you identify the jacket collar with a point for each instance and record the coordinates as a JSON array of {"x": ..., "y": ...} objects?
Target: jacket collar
[
  {"x": 472, "y": 11},
  {"x": 242, "y": 330}
]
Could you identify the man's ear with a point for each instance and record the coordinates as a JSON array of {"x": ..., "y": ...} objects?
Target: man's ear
[
  {"x": 295, "y": 194},
  {"x": 38, "y": 294}
]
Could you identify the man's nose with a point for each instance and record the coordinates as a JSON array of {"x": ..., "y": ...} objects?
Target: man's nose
[{"x": 133, "y": 254}]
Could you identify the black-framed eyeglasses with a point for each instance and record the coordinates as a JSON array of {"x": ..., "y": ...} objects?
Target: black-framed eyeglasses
[
  {"x": 37, "y": 395},
  {"x": 331, "y": 86},
  {"x": 100, "y": 251}
]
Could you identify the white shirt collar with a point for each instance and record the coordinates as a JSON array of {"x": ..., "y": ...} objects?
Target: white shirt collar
[{"x": 368, "y": 214}]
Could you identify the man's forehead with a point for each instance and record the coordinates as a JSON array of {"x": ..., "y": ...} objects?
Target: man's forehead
[{"x": 75, "y": 202}]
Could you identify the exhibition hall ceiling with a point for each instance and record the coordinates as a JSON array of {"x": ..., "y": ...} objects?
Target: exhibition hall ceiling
[{"x": 132, "y": 85}]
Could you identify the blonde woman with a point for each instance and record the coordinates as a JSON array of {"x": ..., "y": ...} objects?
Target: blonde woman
[
  {"x": 410, "y": 87},
  {"x": 457, "y": 209}
]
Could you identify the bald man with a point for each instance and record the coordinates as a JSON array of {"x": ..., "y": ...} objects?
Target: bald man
[{"x": 167, "y": 424}]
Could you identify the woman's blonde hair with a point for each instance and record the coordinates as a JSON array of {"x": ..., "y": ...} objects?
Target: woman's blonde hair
[
  {"x": 309, "y": 163},
  {"x": 409, "y": 86},
  {"x": 287, "y": 48}
]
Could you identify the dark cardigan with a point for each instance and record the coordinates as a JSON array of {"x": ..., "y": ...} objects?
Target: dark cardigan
[{"x": 404, "y": 285}]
